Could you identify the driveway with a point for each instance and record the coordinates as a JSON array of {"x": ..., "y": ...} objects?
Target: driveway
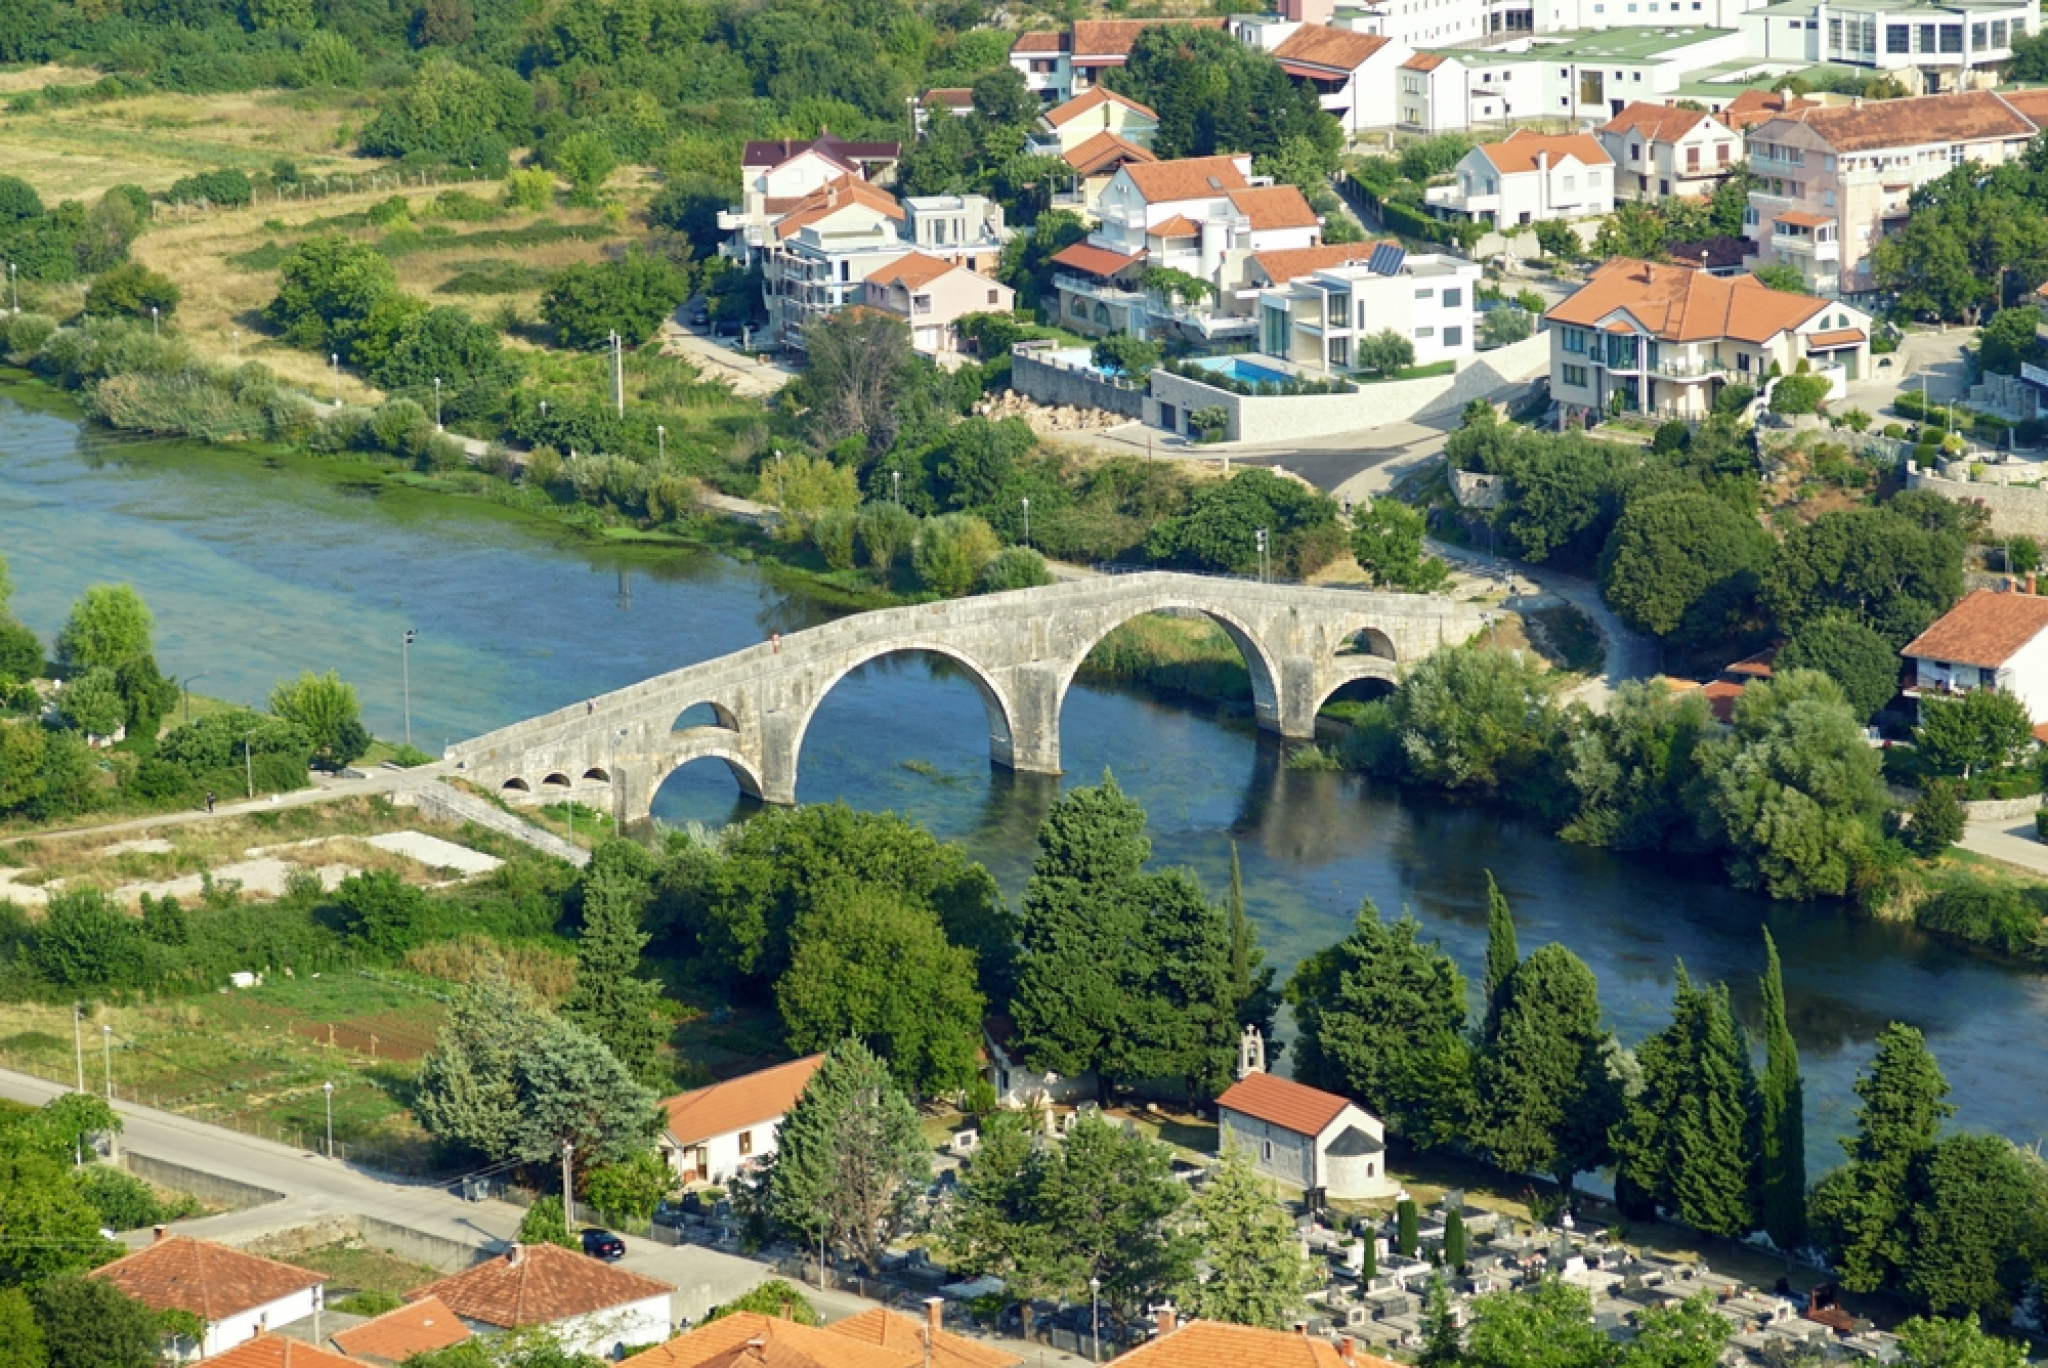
[
  {"x": 748, "y": 375},
  {"x": 2009, "y": 840},
  {"x": 1930, "y": 359}
]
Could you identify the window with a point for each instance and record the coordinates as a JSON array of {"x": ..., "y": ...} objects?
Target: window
[
  {"x": 1827, "y": 163},
  {"x": 1574, "y": 340},
  {"x": 1454, "y": 299},
  {"x": 1266, "y": 1151},
  {"x": 1426, "y": 294},
  {"x": 1742, "y": 361},
  {"x": 1955, "y": 154},
  {"x": 1635, "y": 151},
  {"x": 1454, "y": 337},
  {"x": 1827, "y": 199},
  {"x": 1951, "y": 37},
  {"x": 1898, "y": 38},
  {"x": 1575, "y": 376},
  {"x": 1722, "y": 152},
  {"x": 1692, "y": 158},
  {"x": 993, "y": 297},
  {"x": 1977, "y": 36},
  {"x": 746, "y": 1142},
  {"x": 1422, "y": 333},
  {"x": 1998, "y": 33},
  {"x": 1571, "y": 183}
]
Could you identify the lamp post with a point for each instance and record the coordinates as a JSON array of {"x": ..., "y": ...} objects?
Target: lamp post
[
  {"x": 1027, "y": 520},
  {"x": 328, "y": 1088},
  {"x": 405, "y": 672},
  {"x": 14, "y": 284},
  {"x": 78, "y": 1040},
  {"x": 1095, "y": 1320},
  {"x": 1261, "y": 535},
  {"x": 154, "y": 329},
  {"x": 249, "y": 762},
  {"x": 189, "y": 682},
  {"x": 896, "y": 487},
  {"x": 437, "y": 405},
  {"x": 107, "y": 1059},
  {"x": 236, "y": 336},
  {"x": 568, "y": 1188},
  {"x": 334, "y": 365},
  {"x": 661, "y": 443}
]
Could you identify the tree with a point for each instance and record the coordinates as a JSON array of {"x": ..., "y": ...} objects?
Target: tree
[
  {"x": 1112, "y": 1197},
  {"x": 951, "y": 551},
  {"x": 1974, "y": 1215},
  {"x": 994, "y": 1225},
  {"x": 21, "y": 650},
  {"x": 1799, "y": 393},
  {"x": 586, "y": 303},
  {"x": 1559, "y": 240},
  {"x": 586, "y": 160},
  {"x": 1385, "y": 351},
  {"x": 90, "y": 1323},
  {"x": 1386, "y": 539},
  {"x": 19, "y": 202},
  {"x": 611, "y": 1001},
  {"x": 1215, "y": 95},
  {"x": 1454, "y": 1240},
  {"x": 1381, "y": 1017},
  {"x": 1257, "y": 1275},
  {"x": 1219, "y": 530},
  {"x": 108, "y": 626},
  {"x": 1859, "y": 1211},
  {"x": 92, "y": 703},
  {"x": 546, "y": 1223},
  {"x": 1782, "y": 1116},
  {"x": 1935, "y": 1343},
  {"x": 874, "y": 966},
  {"x": 2011, "y": 337},
  {"x": 1938, "y": 819},
  {"x": 1669, "y": 551},
  {"x": 1849, "y": 652},
  {"x": 1792, "y": 789},
  {"x": 1895, "y": 568},
  {"x": 1001, "y": 97},
  {"x": 847, "y": 1156},
  {"x": 133, "y": 290},
  {"x": 632, "y": 1189},
  {"x": 1985, "y": 729},
  {"x": 1550, "y": 1326},
  {"x": 21, "y": 1338},
  {"x": 1473, "y": 718},
  {"x": 326, "y": 286},
  {"x": 1784, "y": 276},
  {"x": 1544, "y": 1100},
  {"x": 855, "y": 367},
  {"x": 1505, "y": 326},
  {"x": 325, "y": 708},
  {"x": 1406, "y": 1223},
  {"x": 1013, "y": 567},
  {"x": 47, "y": 1229},
  {"x": 1126, "y": 355},
  {"x": 1691, "y": 1334},
  {"x": 1690, "y": 1139},
  {"x": 382, "y": 911},
  {"x": 1503, "y": 952}
]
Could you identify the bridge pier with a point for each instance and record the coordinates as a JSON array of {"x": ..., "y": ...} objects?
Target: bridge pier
[
  {"x": 1299, "y": 691},
  {"x": 1033, "y": 745}
]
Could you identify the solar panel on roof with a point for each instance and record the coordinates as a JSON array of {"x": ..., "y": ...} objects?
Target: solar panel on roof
[{"x": 1387, "y": 259}]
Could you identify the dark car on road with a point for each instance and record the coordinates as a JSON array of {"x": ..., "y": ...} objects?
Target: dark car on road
[{"x": 602, "y": 1244}]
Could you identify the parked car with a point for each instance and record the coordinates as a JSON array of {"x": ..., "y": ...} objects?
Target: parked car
[
  {"x": 700, "y": 317},
  {"x": 602, "y": 1244}
]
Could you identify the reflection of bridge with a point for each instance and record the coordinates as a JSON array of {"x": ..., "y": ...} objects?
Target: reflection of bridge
[{"x": 1021, "y": 649}]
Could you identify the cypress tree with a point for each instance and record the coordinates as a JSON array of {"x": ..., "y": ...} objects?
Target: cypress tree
[
  {"x": 1544, "y": 1099},
  {"x": 610, "y": 1000},
  {"x": 1440, "y": 1342},
  {"x": 1454, "y": 1240},
  {"x": 1405, "y": 1233},
  {"x": 1860, "y": 1211},
  {"x": 1502, "y": 953},
  {"x": 1784, "y": 1116},
  {"x": 1370, "y": 1268},
  {"x": 1240, "y": 932}
]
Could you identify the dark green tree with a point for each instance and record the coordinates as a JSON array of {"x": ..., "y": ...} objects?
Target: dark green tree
[
  {"x": 1544, "y": 1099},
  {"x": 1782, "y": 1119},
  {"x": 1985, "y": 729},
  {"x": 2011, "y": 337},
  {"x": 1386, "y": 540},
  {"x": 1934, "y": 1343},
  {"x": 1550, "y": 1326},
  {"x": 1851, "y": 653},
  {"x": 611, "y": 1000},
  {"x": 1179, "y": 1009},
  {"x": 1938, "y": 819},
  {"x": 1441, "y": 1346},
  {"x": 47, "y": 1228},
  {"x": 585, "y": 304},
  {"x": 847, "y": 1156},
  {"x": 546, "y": 1223},
  {"x": 1503, "y": 951},
  {"x": 1691, "y": 1334},
  {"x": 1454, "y": 1240},
  {"x": 1974, "y": 1217},
  {"x": 1895, "y": 568},
  {"x": 1111, "y": 1196},
  {"x": 1257, "y": 1275},
  {"x": 90, "y": 1323},
  {"x": 1406, "y": 1222},
  {"x": 1669, "y": 551}
]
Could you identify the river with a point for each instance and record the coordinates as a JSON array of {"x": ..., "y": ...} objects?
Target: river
[{"x": 257, "y": 570}]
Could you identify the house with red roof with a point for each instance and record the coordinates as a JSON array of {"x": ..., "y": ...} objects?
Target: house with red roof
[
  {"x": 1190, "y": 1343},
  {"x": 931, "y": 295},
  {"x": 1351, "y": 70},
  {"x": 1993, "y": 639},
  {"x": 1661, "y": 151},
  {"x": 1302, "y": 1136},
  {"x": 777, "y": 175},
  {"x": 1529, "y": 178},
  {"x": 1060, "y": 64},
  {"x": 710, "y": 1134},
  {"x": 589, "y": 1306},
  {"x": 236, "y": 1296},
  {"x": 420, "y": 1327}
]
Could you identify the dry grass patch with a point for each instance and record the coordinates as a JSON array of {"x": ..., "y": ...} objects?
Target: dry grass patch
[{"x": 41, "y": 77}]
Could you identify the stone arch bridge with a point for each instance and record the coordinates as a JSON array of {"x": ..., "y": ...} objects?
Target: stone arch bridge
[{"x": 1021, "y": 649}]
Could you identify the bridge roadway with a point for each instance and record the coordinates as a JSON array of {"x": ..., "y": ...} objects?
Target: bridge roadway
[{"x": 1021, "y": 649}]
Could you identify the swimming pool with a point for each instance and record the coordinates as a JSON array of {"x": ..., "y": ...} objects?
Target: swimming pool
[{"x": 1243, "y": 371}]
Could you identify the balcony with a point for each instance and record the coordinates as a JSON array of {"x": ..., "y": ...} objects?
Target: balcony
[
  {"x": 1685, "y": 368},
  {"x": 1088, "y": 287},
  {"x": 1450, "y": 199}
]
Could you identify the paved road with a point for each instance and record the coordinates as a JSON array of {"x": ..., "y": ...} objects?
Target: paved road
[
  {"x": 2007, "y": 839},
  {"x": 323, "y": 790}
]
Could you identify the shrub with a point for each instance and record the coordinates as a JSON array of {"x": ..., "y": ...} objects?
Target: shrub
[
  {"x": 1014, "y": 567},
  {"x": 227, "y": 188},
  {"x": 132, "y": 289},
  {"x": 2041, "y": 824},
  {"x": 1672, "y": 436},
  {"x": 531, "y": 190},
  {"x": 950, "y": 552},
  {"x": 2002, "y": 918},
  {"x": 1938, "y": 820}
]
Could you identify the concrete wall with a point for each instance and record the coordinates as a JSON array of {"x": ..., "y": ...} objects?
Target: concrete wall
[
  {"x": 450, "y": 1256},
  {"x": 207, "y": 1187},
  {"x": 1276, "y": 418},
  {"x": 2015, "y": 511},
  {"x": 1038, "y": 377},
  {"x": 453, "y": 805}
]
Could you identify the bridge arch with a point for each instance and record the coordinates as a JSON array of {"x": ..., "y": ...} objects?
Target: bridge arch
[
  {"x": 743, "y": 770},
  {"x": 722, "y": 716},
  {"x": 1351, "y": 669},
  {"x": 1259, "y": 663},
  {"x": 995, "y": 701},
  {"x": 1366, "y": 641}
]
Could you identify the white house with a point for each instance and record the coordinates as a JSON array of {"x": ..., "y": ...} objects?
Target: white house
[
  {"x": 712, "y": 1133},
  {"x": 1317, "y": 320},
  {"x": 1529, "y": 178},
  {"x": 1991, "y": 640},
  {"x": 777, "y": 175},
  {"x": 1065, "y": 127},
  {"x": 589, "y": 1306},
  {"x": 1353, "y": 73},
  {"x": 236, "y": 1296},
  {"x": 1017, "y": 1084},
  {"x": 1300, "y": 1135},
  {"x": 1661, "y": 151}
]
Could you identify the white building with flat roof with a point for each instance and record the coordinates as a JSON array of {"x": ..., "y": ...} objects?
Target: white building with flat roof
[{"x": 1316, "y": 321}]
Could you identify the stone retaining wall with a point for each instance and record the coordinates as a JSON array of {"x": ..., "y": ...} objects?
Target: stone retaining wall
[
  {"x": 207, "y": 1187},
  {"x": 2002, "y": 809},
  {"x": 2016, "y": 511},
  {"x": 1035, "y": 373}
]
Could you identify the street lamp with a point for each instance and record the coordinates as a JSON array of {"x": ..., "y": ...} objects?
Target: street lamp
[
  {"x": 1261, "y": 535},
  {"x": 661, "y": 443},
  {"x": 328, "y": 1088},
  {"x": 334, "y": 365},
  {"x": 1027, "y": 520},
  {"x": 154, "y": 330},
  {"x": 1095, "y": 1320},
  {"x": 896, "y": 487},
  {"x": 405, "y": 668},
  {"x": 107, "y": 1058},
  {"x": 437, "y": 405},
  {"x": 14, "y": 283},
  {"x": 190, "y": 680},
  {"x": 236, "y": 335}
]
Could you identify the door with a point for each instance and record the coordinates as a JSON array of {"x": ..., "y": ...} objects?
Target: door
[{"x": 1849, "y": 364}]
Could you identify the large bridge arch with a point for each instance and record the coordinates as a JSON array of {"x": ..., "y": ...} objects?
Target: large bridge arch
[
  {"x": 744, "y": 771},
  {"x": 1258, "y": 661},
  {"x": 784, "y": 753}
]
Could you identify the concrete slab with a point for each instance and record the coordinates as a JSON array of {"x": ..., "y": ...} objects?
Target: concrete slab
[
  {"x": 261, "y": 877},
  {"x": 434, "y": 852},
  {"x": 147, "y": 845}
]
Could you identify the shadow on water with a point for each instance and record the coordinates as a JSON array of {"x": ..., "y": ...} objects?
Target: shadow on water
[{"x": 257, "y": 569}]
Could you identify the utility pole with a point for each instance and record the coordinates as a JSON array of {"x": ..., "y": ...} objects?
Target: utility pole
[
  {"x": 249, "y": 762},
  {"x": 405, "y": 670},
  {"x": 78, "y": 1040},
  {"x": 107, "y": 1058},
  {"x": 619, "y": 374},
  {"x": 328, "y": 1088},
  {"x": 568, "y": 1188}
]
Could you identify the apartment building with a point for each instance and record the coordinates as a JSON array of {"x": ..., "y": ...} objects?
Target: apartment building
[
  {"x": 1931, "y": 45},
  {"x": 1529, "y": 178},
  {"x": 1648, "y": 337},
  {"x": 1661, "y": 151},
  {"x": 1593, "y": 74},
  {"x": 1062, "y": 64},
  {"x": 931, "y": 296},
  {"x": 1315, "y": 321},
  {"x": 776, "y": 175},
  {"x": 1832, "y": 180}
]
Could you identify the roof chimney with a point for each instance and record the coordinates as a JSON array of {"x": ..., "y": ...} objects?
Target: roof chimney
[
  {"x": 1301, "y": 1328},
  {"x": 159, "y": 1234},
  {"x": 1346, "y": 1349},
  {"x": 515, "y": 1254},
  {"x": 1543, "y": 160},
  {"x": 1165, "y": 1318},
  {"x": 935, "y": 1312}
]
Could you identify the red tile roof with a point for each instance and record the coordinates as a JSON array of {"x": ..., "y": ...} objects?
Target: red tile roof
[
  {"x": 1753, "y": 107},
  {"x": 1105, "y": 150},
  {"x": 1114, "y": 37},
  {"x": 276, "y": 1351},
  {"x": 1423, "y": 61},
  {"x": 1095, "y": 261},
  {"x": 725, "y": 1341},
  {"x": 1799, "y": 218},
  {"x": 1987, "y": 628},
  {"x": 829, "y": 199},
  {"x": 737, "y": 1103},
  {"x": 885, "y": 1329},
  {"x": 1520, "y": 151},
  {"x": 2033, "y": 104},
  {"x": 909, "y": 271},
  {"x": 538, "y": 1285},
  {"x": 1273, "y": 207},
  {"x": 1096, "y": 97},
  {"x": 1334, "y": 48},
  {"x": 1840, "y": 337},
  {"x": 1180, "y": 225},
  {"x": 1682, "y": 304},
  {"x": 1655, "y": 122},
  {"x": 1041, "y": 40},
  {"x": 1283, "y": 1102},
  {"x": 776, "y": 151},
  {"x": 1966, "y": 116},
  {"x": 210, "y": 1280},
  {"x": 1186, "y": 179},
  {"x": 394, "y": 1337},
  {"x": 1215, "y": 1344},
  {"x": 1292, "y": 264},
  {"x": 953, "y": 97}
]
